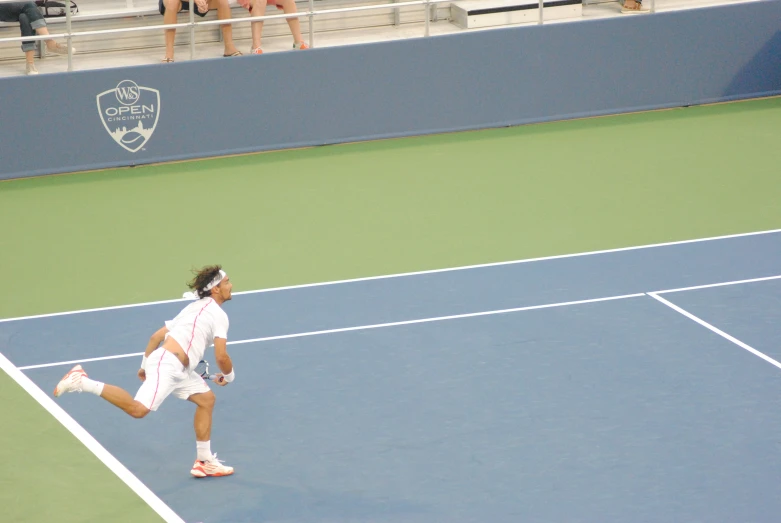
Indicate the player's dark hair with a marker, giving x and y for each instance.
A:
(202, 278)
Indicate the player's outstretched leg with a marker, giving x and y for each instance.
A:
(76, 380)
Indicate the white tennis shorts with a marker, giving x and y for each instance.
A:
(165, 374)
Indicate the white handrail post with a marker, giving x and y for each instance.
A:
(192, 30)
(539, 22)
(69, 38)
(427, 5)
(311, 24)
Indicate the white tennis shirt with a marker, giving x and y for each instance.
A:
(196, 326)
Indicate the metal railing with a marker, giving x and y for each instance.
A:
(310, 13)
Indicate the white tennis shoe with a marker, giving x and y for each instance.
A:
(213, 467)
(71, 382)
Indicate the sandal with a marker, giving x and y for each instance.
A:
(167, 60)
(237, 53)
(637, 9)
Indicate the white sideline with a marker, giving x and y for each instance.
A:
(90, 442)
(714, 329)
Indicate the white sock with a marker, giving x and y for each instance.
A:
(204, 449)
(91, 386)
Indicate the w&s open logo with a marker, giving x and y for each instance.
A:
(129, 113)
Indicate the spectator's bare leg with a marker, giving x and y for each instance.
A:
(224, 13)
(289, 6)
(172, 7)
(258, 9)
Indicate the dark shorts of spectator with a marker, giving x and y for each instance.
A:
(185, 8)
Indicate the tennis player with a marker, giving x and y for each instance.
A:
(168, 369)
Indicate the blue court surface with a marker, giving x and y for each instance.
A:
(431, 398)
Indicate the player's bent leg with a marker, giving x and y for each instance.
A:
(76, 380)
(122, 399)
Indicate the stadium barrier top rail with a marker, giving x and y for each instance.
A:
(311, 14)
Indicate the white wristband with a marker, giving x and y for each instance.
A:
(143, 362)
(230, 377)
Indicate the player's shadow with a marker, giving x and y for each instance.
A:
(243, 500)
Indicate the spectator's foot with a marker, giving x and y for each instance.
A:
(167, 60)
(633, 7)
(256, 50)
(300, 45)
(59, 48)
(31, 68)
(234, 53)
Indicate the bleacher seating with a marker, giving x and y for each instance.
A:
(456, 15)
(105, 14)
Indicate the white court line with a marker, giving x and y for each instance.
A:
(366, 327)
(90, 442)
(717, 331)
(424, 320)
(439, 318)
(736, 282)
(417, 273)
(85, 360)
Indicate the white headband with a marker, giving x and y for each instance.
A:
(216, 281)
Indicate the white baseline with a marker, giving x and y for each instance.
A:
(417, 273)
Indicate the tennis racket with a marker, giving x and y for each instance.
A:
(202, 369)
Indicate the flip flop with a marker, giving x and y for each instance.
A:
(237, 53)
(638, 9)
